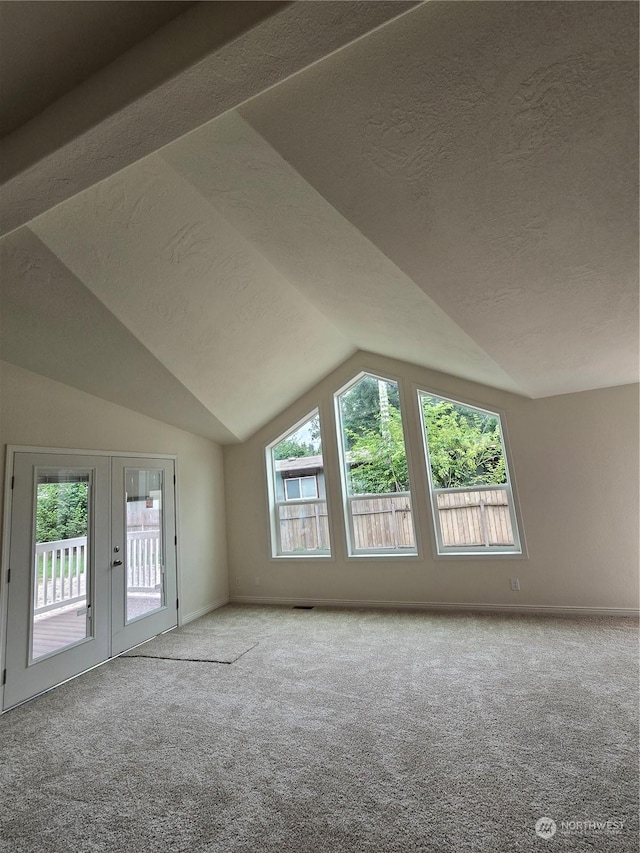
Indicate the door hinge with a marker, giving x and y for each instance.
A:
(175, 540)
(4, 677)
(13, 480)
(177, 603)
(9, 576)
(174, 479)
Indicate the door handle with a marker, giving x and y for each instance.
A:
(117, 563)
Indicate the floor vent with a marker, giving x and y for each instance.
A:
(303, 606)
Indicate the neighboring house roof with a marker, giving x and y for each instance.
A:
(303, 464)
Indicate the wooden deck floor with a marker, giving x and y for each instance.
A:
(57, 629)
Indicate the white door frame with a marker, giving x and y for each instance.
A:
(12, 449)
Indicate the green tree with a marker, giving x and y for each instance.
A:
(291, 449)
(465, 446)
(303, 442)
(360, 406)
(62, 511)
(377, 459)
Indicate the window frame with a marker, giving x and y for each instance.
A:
(273, 504)
(379, 553)
(441, 551)
(287, 480)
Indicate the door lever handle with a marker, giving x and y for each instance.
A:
(117, 563)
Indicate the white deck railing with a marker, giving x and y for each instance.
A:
(144, 560)
(61, 568)
(61, 572)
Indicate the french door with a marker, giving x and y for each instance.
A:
(143, 559)
(92, 564)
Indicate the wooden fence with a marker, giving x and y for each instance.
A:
(382, 522)
(303, 527)
(475, 518)
(478, 517)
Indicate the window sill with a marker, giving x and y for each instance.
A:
(302, 556)
(480, 555)
(384, 555)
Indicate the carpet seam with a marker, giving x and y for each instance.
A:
(192, 660)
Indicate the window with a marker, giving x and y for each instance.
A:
(471, 497)
(299, 521)
(300, 487)
(375, 474)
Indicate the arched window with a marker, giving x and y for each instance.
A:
(375, 474)
(299, 523)
(471, 496)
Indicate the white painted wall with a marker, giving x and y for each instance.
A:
(40, 412)
(575, 460)
(575, 466)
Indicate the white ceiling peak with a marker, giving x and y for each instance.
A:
(363, 294)
(448, 184)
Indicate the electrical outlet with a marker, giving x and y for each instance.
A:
(515, 584)
(237, 581)
(256, 580)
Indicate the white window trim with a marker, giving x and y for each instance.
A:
(517, 550)
(352, 551)
(273, 505)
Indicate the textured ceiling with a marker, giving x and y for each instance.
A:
(56, 33)
(490, 151)
(454, 184)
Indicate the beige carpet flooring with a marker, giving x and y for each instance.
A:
(337, 732)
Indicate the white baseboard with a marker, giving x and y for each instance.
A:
(189, 617)
(439, 605)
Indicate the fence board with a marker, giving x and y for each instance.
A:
(303, 527)
(475, 518)
(467, 518)
(382, 523)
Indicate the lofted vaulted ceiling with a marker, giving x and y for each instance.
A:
(210, 220)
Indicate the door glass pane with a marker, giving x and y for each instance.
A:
(60, 586)
(144, 562)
